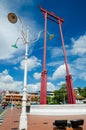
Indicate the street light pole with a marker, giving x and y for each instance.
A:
(23, 116)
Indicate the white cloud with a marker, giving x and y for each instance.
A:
(59, 73)
(5, 72)
(36, 87)
(16, 68)
(77, 68)
(37, 75)
(80, 63)
(50, 86)
(55, 52)
(8, 35)
(33, 62)
(33, 87)
(79, 45)
(8, 83)
(61, 82)
(10, 32)
(83, 76)
(55, 63)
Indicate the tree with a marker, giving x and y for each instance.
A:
(83, 92)
(60, 96)
(79, 89)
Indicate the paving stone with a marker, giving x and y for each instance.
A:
(37, 122)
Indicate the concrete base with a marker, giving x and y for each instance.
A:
(68, 109)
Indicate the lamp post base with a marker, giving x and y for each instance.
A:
(23, 122)
(23, 116)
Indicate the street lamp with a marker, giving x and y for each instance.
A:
(13, 19)
(23, 117)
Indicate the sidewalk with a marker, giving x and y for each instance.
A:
(36, 122)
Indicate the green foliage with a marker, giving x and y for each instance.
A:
(60, 95)
(82, 91)
(49, 100)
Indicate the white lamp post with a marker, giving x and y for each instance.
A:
(23, 117)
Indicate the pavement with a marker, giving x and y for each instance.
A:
(37, 122)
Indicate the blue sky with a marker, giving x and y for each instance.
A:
(74, 32)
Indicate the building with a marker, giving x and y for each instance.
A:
(16, 97)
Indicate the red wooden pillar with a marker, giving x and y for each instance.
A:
(71, 98)
(69, 85)
(43, 91)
